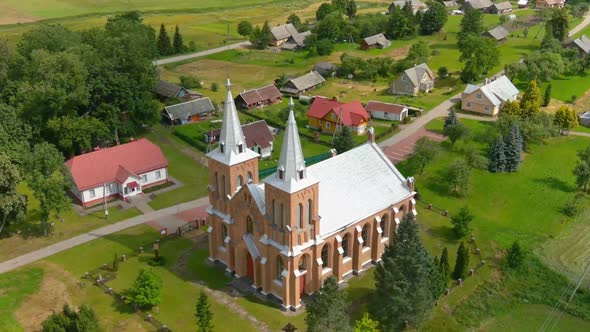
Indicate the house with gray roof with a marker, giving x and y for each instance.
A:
(416, 5)
(582, 44)
(299, 85)
(584, 119)
(286, 36)
(498, 33)
(450, 4)
(325, 68)
(190, 111)
(165, 90)
(413, 80)
(375, 41)
(488, 98)
(501, 8)
(481, 5)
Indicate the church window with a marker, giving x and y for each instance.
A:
(309, 211)
(300, 215)
(365, 235)
(223, 185)
(240, 181)
(222, 147)
(280, 268)
(223, 234)
(346, 245)
(240, 148)
(326, 255)
(275, 212)
(249, 225)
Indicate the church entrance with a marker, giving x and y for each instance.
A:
(250, 266)
(302, 285)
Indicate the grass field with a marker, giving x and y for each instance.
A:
(14, 287)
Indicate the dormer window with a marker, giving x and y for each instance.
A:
(301, 174)
(281, 174)
(240, 148)
(222, 147)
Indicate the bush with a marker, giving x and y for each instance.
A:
(192, 46)
(70, 320)
(571, 208)
(214, 86)
(190, 82)
(160, 261)
(462, 222)
(324, 47)
(442, 72)
(116, 263)
(145, 292)
(515, 255)
(435, 52)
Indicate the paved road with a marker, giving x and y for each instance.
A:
(580, 26)
(98, 233)
(202, 53)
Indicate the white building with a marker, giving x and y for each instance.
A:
(386, 111)
(121, 171)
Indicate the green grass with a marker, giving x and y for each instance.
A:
(524, 317)
(14, 287)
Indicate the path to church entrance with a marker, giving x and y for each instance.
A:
(400, 151)
(172, 222)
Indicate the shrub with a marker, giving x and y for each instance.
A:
(515, 255)
(145, 292)
(442, 72)
(190, 82)
(435, 52)
(324, 47)
(571, 208)
(214, 86)
(462, 222)
(116, 263)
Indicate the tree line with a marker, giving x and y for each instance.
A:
(166, 46)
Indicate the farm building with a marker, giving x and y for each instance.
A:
(386, 111)
(481, 5)
(166, 90)
(488, 98)
(302, 84)
(325, 68)
(549, 4)
(286, 36)
(260, 97)
(375, 41)
(269, 232)
(498, 33)
(328, 115)
(190, 111)
(584, 119)
(121, 171)
(416, 5)
(501, 8)
(523, 3)
(413, 80)
(259, 137)
(581, 44)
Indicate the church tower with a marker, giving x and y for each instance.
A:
(291, 194)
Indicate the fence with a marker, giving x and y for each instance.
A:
(104, 274)
(308, 162)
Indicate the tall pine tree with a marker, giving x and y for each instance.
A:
(444, 266)
(204, 313)
(451, 119)
(164, 46)
(178, 44)
(547, 96)
(512, 148)
(328, 309)
(496, 156)
(462, 262)
(407, 280)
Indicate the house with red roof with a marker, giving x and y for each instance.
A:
(121, 171)
(328, 115)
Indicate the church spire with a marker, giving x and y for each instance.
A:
(232, 143)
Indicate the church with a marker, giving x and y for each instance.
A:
(292, 230)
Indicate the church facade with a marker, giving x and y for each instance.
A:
(292, 230)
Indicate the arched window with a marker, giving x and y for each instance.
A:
(280, 268)
(223, 234)
(217, 188)
(365, 235)
(300, 215)
(249, 225)
(309, 211)
(303, 263)
(283, 216)
(223, 185)
(250, 178)
(402, 209)
(346, 245)
(385, 225)
(240, 181)
(275, 212)
(326, 255)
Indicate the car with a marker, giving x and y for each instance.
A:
(457, 12)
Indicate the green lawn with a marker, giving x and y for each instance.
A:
(524, 317)
(14, 287)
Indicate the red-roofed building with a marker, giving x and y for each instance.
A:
(120, 171)
(386, 111)
(327, 115)
(259, 137)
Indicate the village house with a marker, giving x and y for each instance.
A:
(584, 119)
(450, 4)
(259, 137)
(121, 172)
(498, 33)
(267, 95)
(289, 232)
(189, 111)
(166, 90)
(326, 69)
(481, 5)
(413, 80)
(500, 8)
(416, 5)
(375, 41)
(386, 111)
(581, 44)
(488, 98)
(549, 4)
(302, 84)
(286, 36)
(329, 115)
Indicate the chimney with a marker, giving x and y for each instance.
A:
(371, 135)
(487, 81)
(333, 153)
(410, 183)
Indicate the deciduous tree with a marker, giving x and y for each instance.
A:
(462, 222)
(511, 108)
(366, 324)
(459, 176)
(582, 169)
(480, 55)
(74, 135)
(565, 119)
(145, 292)
(471, 24)
(295, 20)
(434, 18)
(559, 24)
(350, 9)
(456, 132)
(328, 309)
(425, 151)
(204, 313)
(323, 10)
(12, 204)
(245, 28)
(462, 262)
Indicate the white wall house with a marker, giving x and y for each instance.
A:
(122, 171)
(386, 111)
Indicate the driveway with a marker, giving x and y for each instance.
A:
(202, 53)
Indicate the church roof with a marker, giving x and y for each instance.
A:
(232, 147)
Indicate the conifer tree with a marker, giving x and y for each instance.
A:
(344, 140)
(328, 309)
(510, 108)
(547, 96)
(178, 44)
(164, 46)
(204, 313)
(531, 100)
(407, 280)
(515, 255)
(496, 156)
(451, 119)
(444, 266)
(116, 263)
(462, 262)
(512, 149)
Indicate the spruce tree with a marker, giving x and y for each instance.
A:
(164, 46)
(444, 266)
(515, 255)
(204, 313)
(407, 280)
(344, 140)
(116, 263)
(451, 119)
(496, 156)
(462, 262)
(178, 44)
(512, 148)
(328, 309)
(547, 96)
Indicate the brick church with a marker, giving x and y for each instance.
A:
(295, 228)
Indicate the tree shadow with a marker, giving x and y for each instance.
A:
(438, 183)
(555, 183)
(443, 232)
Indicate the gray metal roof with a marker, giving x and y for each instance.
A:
(307, 81)
(583, 43)
(497, 91)
(479, 4)
(498, 33)
(190, 108)
(281, 32)
(417, 72)
(166, 89)
(378, 39)
(503, 5)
